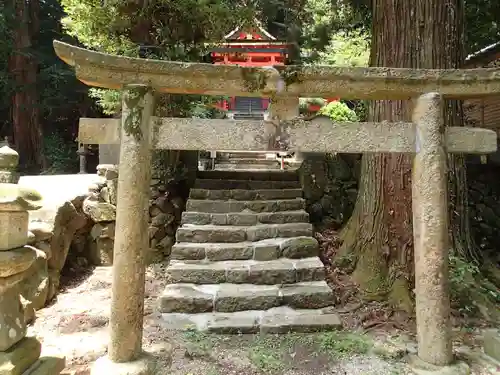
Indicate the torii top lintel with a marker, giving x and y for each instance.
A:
(114, 72)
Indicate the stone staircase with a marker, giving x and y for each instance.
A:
(245, 260)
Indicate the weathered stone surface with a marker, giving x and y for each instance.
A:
(239, 322)
(245, 194)
(307, 295)
(9, 158)
(491, 344)
(266, 249)
(36, 284)
(299, 247)
(12, 325)
(244, 184)
(265, 231)
(240, 297)
(9, 177)
(220, 233)
(29, 310)
(111, 71)
(209, 233)
(112, 186)
(67, 221)
(42, 231)
(430, 231)
(302, 322)
(99, 211)
(212, 206)
(16, 260)
(245, 218)
(46, 365)
(14, 197)
(186, 298)
(13, 229)
(17, 359)
(197, 273)
(281, 271)
(309, 269)
(54, 279)
(101, 251)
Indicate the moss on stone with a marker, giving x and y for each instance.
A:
(132, 97)
(255, 79)
(291, 74)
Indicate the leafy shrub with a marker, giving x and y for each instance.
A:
(339, 112)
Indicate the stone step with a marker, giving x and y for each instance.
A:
(247, 160)
(250, 168)
(293, 248)
(254, 176)
(221, 207)
(223, 233)
(242, 218)
(245, 194)
(243, 184)
(192, 298)
(281, 319)
(279, 271)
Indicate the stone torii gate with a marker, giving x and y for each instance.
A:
(138, 132)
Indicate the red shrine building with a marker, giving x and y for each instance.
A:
(250, 45)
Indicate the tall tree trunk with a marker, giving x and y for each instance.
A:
(378, 240)
(24, 69)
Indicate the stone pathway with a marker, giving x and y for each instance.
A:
(245, 260)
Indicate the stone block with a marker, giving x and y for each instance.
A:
(209, 233)
(307, 295)
(241, 322)
(197, 273)
(18, 358)
(265, 231)
(99, 211)
(280, 271)
(491, 344)
(283, 217)
(16, 261)
(309, 269)
(313, 321)
(186, 298)
(240, 297)
(12, 324)
(35, 286)
(299, 247)
(266, 249)
(229, 251)
(13, 229)
(244, 184)
(188, 251)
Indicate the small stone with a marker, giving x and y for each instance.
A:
(18, 358)
(112, 173)
(16, 260)
(162, 219)
(41, 230)
(103, 168)
(12, 325)
(99, 211)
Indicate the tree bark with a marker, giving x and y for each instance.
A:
(378, 239)
(23, 67)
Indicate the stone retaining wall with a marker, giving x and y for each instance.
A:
(166, 204)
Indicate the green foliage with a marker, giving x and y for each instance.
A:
(347, 49)
(61, 155)
(338, 112)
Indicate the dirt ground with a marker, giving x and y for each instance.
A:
(76, 325)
